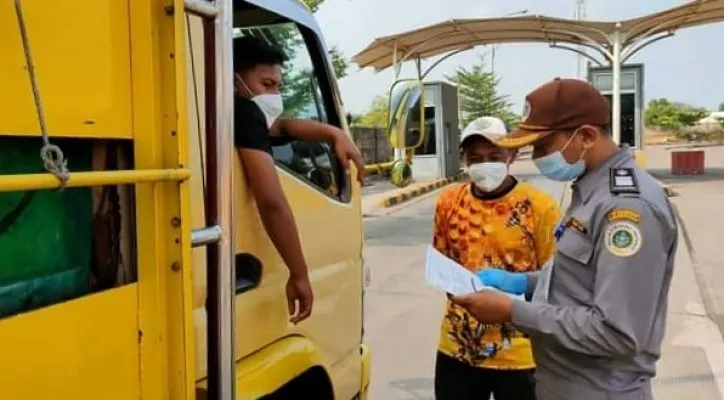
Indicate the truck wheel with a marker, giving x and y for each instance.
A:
(313, 384)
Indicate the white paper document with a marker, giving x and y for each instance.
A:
(445, 274)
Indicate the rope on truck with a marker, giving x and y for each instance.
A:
(52, 156)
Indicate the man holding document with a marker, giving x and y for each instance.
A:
(493, 222)
(597, 315)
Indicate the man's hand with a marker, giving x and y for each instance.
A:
(486, 306)
(300, 298)
(348, 152)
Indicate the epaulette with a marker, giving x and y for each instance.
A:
(623, 181)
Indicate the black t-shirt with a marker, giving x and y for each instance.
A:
(250, 128)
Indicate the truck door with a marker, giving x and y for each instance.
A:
(326, 210)
(326, 207)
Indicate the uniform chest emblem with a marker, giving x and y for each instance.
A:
(623, 238)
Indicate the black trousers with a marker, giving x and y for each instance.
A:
(455, 380)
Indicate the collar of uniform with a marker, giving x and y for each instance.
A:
(587, 184)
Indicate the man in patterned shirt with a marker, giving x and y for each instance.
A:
(494, 221)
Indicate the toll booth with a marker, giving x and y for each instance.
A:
(632, 99)
(437, 156)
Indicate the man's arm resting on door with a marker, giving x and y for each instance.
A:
(305, 130)
(274, 209)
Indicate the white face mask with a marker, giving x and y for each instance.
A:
(271, 105)
(488, 176)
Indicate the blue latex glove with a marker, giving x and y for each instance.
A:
(509, 282)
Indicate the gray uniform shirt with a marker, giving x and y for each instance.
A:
(598, 315)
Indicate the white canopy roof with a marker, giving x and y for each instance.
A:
(460, 34)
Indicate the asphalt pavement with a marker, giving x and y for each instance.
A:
(402, 314)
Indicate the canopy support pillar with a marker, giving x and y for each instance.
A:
(616, 95)
(440, 60)
(577, 51)
(634, 48)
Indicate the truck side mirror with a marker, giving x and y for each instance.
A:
(406, 113)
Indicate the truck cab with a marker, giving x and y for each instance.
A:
(145, 272)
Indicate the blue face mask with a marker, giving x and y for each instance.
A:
(555, 167)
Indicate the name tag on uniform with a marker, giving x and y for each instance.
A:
(578, 226)
(571, 223)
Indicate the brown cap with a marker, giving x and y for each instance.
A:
(559, 105)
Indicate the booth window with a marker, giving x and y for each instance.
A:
(428, 147)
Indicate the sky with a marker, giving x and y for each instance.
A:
(685, 68)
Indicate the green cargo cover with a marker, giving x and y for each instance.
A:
(45, 246)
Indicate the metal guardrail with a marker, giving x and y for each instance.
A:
(22, 182)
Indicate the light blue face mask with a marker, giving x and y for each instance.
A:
(555, 167)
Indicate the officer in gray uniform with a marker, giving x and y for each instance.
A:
(597, 316)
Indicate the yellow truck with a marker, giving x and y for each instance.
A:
(133, 264)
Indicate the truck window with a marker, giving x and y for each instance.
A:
(313, 163)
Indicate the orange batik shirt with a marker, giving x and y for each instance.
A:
(514, 232)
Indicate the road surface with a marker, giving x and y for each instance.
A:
(401, 313)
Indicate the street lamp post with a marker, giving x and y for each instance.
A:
(493, 47)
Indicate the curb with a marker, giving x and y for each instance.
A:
(417, 191)
(691, 145)
(670, 192)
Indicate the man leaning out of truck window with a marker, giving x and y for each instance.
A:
(257, 108)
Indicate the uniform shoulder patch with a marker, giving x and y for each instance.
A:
(623, 238)
(624, 215)
(623, 180)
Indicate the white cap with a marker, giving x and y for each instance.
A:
(490, 128)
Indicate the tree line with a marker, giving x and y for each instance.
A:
(674, 116)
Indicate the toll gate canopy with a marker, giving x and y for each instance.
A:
(611, 42)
